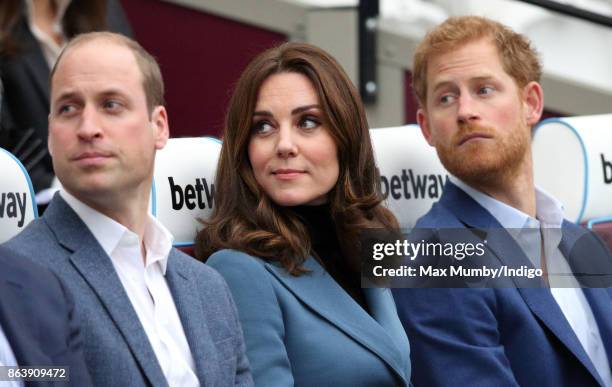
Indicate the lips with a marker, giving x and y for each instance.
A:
(287, 174)
(90, 159)
(91, 155)
(473, 136)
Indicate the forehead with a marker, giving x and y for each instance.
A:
(476, 59)
(287, 88)
(95, 64)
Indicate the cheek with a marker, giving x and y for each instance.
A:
(325, 156)
(257, 156)
(441, 129)
(509, 117)
(58, 140)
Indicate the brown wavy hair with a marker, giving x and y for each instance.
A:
(245, 218)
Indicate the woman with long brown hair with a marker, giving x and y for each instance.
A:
(296, 183)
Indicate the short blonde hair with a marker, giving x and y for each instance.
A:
(519, 59)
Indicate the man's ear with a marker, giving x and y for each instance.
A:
(533, 102)
(423, 123)
(159, 120)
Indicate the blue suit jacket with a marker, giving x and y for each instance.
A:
(36, 315)
(307, 331)
(499, 337)
(116, 347)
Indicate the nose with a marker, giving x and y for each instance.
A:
(89, 127)
(286, 145)
(467, 110)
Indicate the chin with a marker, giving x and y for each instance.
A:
(290, 199)
(89, 187)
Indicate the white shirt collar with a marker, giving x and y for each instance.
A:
(549, 211)
(112, 234)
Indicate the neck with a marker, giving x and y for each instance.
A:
(128, 209)
(44, 7)
(516, 188)
(43, 14)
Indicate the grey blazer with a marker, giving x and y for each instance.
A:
(117, 351)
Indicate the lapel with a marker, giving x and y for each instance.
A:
(16, 319)
(579, 246)
(96, 268)
(189, 305)
(600, 301)
(34, 62)
(378, 333)
(539, 300)
(499, 242)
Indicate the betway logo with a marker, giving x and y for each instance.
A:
(409, 185)
(199, 195)
(607, 169)
(13, 205)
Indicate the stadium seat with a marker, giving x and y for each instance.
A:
(573, 161)
(17, 204)
(183, 186)
(412, 176)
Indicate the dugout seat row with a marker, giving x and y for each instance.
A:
(572, 161)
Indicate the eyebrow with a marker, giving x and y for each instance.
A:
(477, 79)
(295, 111)
(75, 95)
(67, 95)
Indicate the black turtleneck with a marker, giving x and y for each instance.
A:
(324, 239)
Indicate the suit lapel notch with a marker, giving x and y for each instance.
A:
(323, 295)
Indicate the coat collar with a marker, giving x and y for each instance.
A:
(96, 268)
(380, 332)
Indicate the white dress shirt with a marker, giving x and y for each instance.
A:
(146, 286)
(565, 289)
(7, 358)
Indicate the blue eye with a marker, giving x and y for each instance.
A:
(447, 99)
(485, 90)
(65, 109)
(112, 105)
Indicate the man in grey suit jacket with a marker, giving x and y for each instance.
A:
(150, 315)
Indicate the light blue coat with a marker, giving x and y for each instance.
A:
(307, 331)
